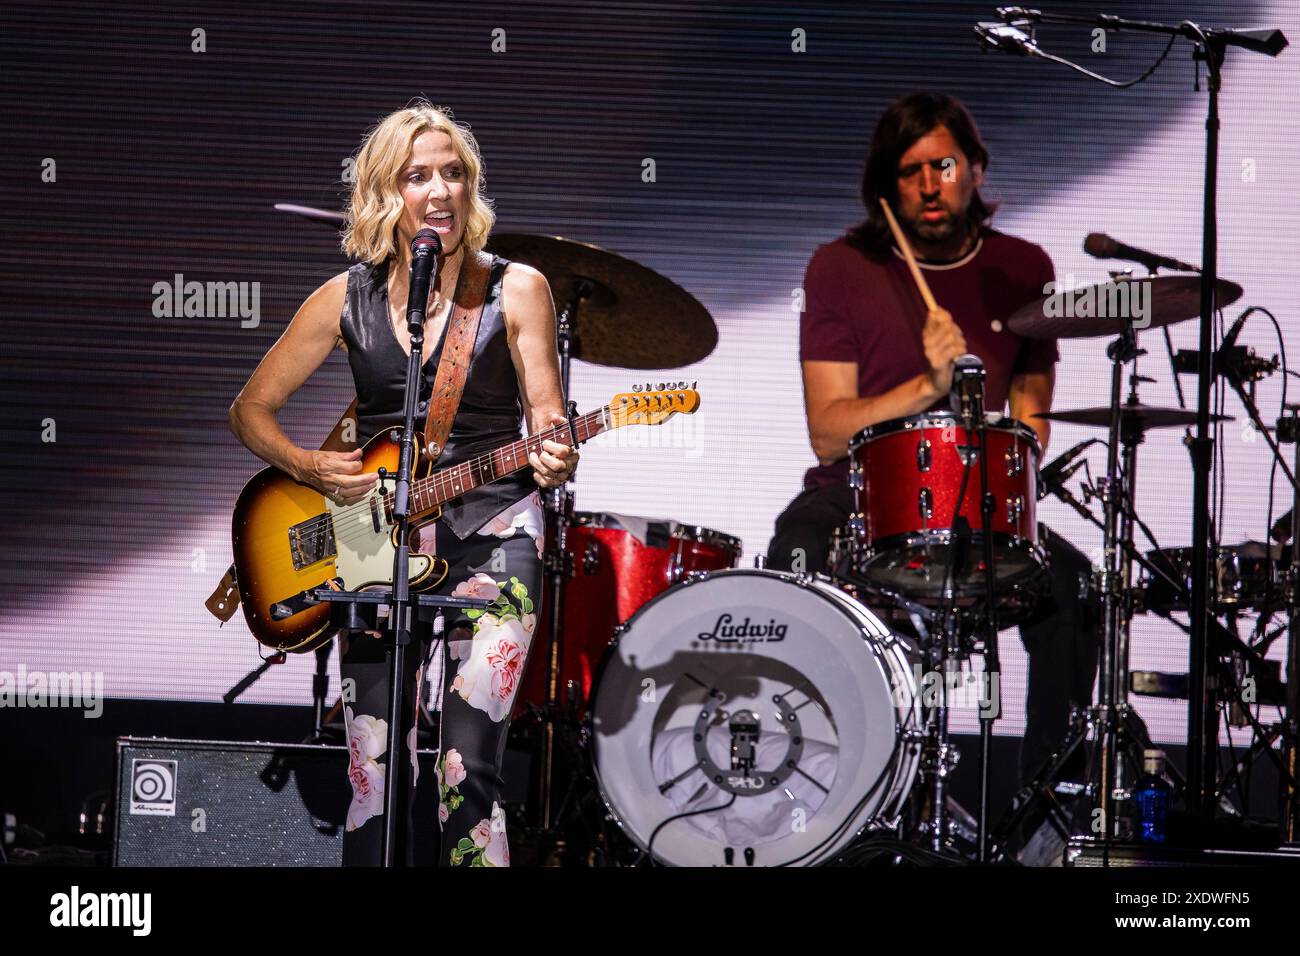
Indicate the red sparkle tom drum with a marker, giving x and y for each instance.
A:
(907, 475)
(617, 563)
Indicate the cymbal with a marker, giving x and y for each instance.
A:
(1145, 417)
(627, 315)
(1073, 314)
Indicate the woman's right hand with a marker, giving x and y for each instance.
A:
(337, 475)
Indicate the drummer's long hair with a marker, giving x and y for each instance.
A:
(907, 120)
(375, 205)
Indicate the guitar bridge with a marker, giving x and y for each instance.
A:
(312, 541)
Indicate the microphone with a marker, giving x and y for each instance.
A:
(1238, 362)
(1101, 246)
(425, 249)
(1054, 476)
(1230, 339)
(967, 395)
(1004, 36)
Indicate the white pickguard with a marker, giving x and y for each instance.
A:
(364, 555)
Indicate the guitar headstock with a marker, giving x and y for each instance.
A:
(651, 407)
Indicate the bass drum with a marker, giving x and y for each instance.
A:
(754, 718)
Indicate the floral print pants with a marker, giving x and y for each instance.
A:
(482, 655)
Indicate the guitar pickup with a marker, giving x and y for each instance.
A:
(311, 541)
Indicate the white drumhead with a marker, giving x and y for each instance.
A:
(831, 690)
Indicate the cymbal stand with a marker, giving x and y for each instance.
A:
(558, 503)
(1288, 430)
(1112, 721)
(1239, 375)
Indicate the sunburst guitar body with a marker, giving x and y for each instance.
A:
(288, 538)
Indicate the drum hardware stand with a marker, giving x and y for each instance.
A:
(1210, 47)
(1239, 373)
(1288, 431)
(974, 409)
(1112, 722)
(558, 502)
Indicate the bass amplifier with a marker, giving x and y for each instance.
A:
(225, 803)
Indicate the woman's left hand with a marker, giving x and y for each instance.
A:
(555, 464)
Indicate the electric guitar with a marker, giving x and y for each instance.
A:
(289, 538)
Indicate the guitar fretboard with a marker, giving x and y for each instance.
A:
(447, 483)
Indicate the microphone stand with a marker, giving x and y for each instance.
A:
(403, 653)
(973, 411)
(1210, 48)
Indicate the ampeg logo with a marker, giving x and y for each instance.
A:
(725, 632)
(153, 787)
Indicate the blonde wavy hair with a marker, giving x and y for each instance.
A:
(375, 205)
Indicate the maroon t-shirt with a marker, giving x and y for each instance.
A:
(867, 310)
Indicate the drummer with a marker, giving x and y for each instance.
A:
(870, 352)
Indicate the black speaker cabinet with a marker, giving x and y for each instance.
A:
(224, 803)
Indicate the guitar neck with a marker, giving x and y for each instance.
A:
(447, 483)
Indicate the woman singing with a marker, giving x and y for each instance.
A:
(419, 169)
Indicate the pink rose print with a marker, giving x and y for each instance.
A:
(367, 736)
(481, 835)
(491, 667)
(367, 740)
(486, 843)
(454, 768)
(412, 747)
(526, 514)
(497, 852)
(367, 793)
(479, 586)
(507, 663)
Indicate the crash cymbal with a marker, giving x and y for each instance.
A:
(1105, 308)
(627, 315)
(1144, 417)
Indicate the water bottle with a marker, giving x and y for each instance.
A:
(1152, 798)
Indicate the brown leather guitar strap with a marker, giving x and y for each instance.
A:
(457, 352)
(453, 369)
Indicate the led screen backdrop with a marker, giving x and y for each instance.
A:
(148, 144)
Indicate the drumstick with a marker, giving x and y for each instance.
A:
(921, 286)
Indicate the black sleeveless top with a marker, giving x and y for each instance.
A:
(490, 409)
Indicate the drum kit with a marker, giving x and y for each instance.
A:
(681, 710)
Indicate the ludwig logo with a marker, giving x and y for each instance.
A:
(726, 632)
(153, 787)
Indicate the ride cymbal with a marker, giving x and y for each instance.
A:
(1106, 307)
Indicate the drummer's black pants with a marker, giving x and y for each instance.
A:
(1061, 639)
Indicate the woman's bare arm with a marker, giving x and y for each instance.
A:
(530, 327)
(307, 341)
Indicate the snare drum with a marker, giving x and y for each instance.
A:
(616, 564)
(907, 475)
